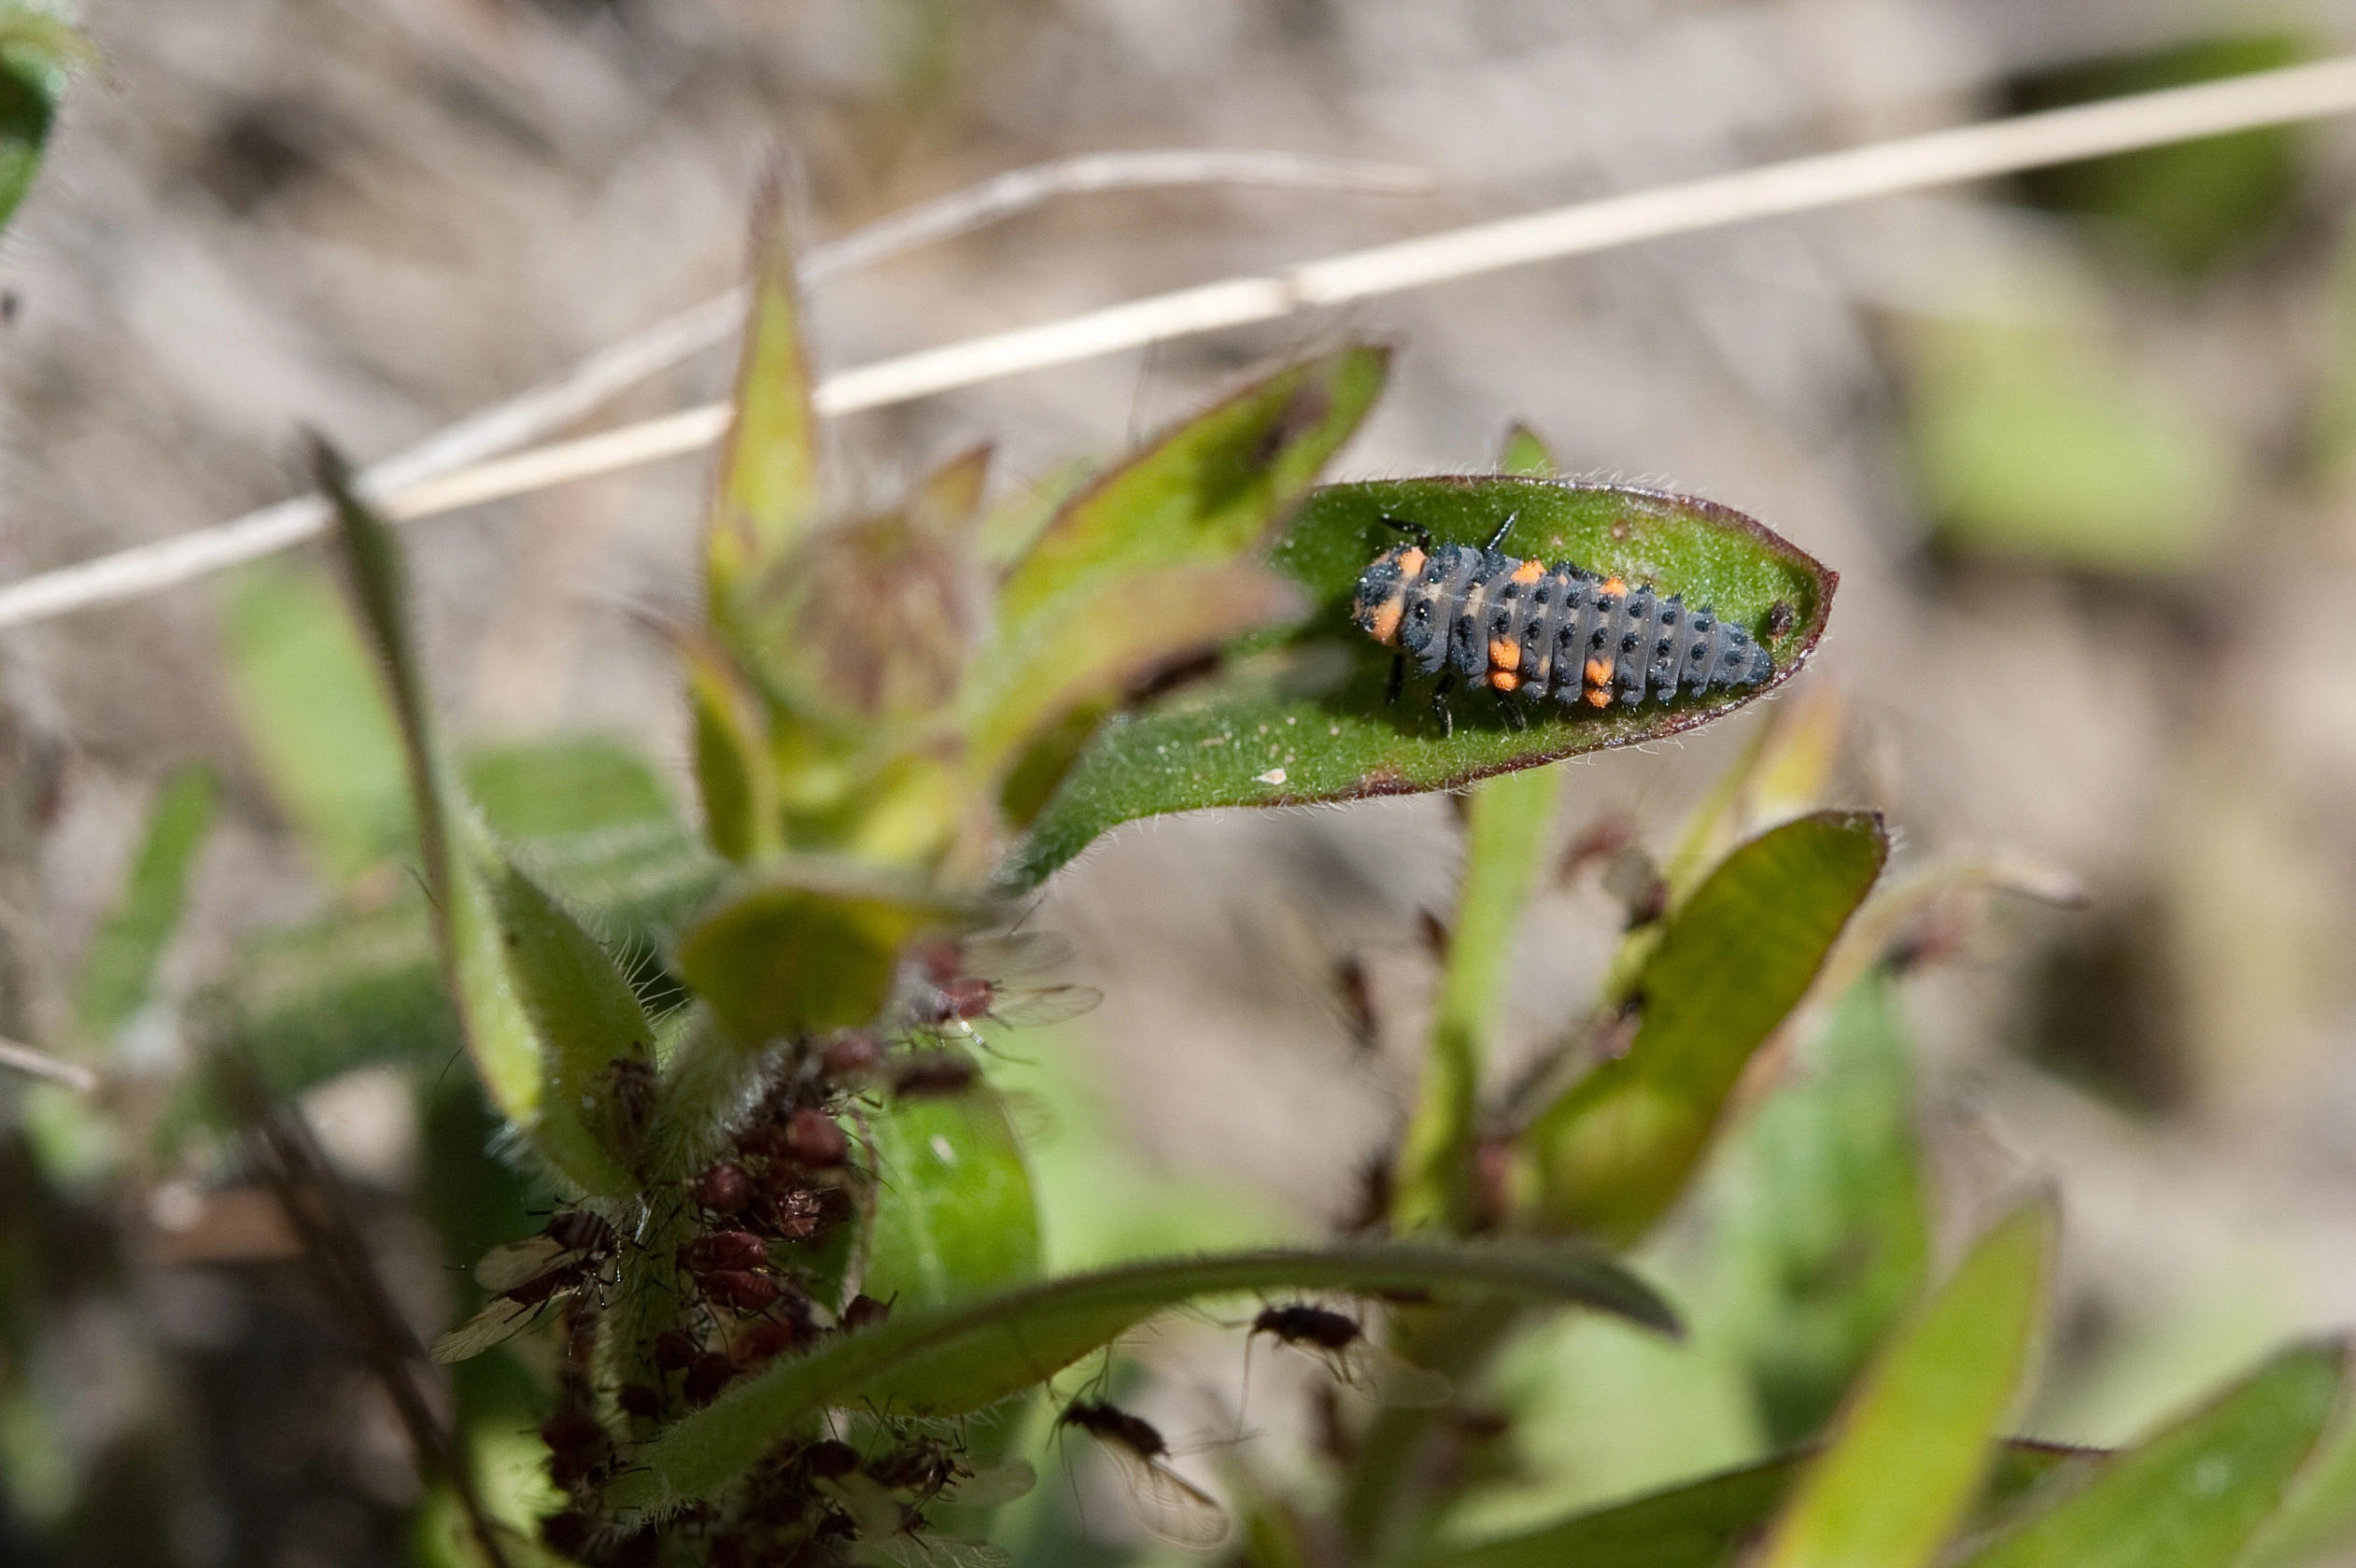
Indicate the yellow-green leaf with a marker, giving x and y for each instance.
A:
(1908, 1453)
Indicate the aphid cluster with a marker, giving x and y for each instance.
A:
(1520, 626)
(738, 1259)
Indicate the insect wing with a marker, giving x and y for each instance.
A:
(503, 1268)
(497, 1324)
(903, 1550)
(994, 1485)
(1394, 1381)
(1035, 1007)
(1017, 955)
(1172, 1507)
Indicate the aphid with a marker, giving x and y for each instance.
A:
(724, 1188)
(1520, 626)
(1167, 1503)
(1339, 1340)
(523, 1277)
(950, 985)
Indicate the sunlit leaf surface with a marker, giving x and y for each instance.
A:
(1610, 1156)
(1304, 719)
(2192, 1495)
(956, 1358)
(1908, 1454)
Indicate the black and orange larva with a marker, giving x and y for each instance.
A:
(1518, 625)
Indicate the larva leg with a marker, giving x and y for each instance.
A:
(1421, 535)
(1440, 700)
(1515, 717)
(1398, 681)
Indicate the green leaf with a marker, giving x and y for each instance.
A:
(1509, 821)
(1615, 1152)
(1306, 720)
(557, 788)
(1706, 1523)
(955, 1216)
(769, 489)
(472, 889)
(587, 1022)
(1208, 491)
(38, 52)
(1819, 1214)
(735, 773)
(118, 971)
(947, 1361)
(1526, 454)
(1916, 1436)
(315, 714)
(2192, 1495)
(2189, 205)
(806, 945)
(1099, 644)
(2042, 442)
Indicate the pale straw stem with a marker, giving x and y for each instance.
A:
(1799, 185)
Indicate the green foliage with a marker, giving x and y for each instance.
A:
(39, 53)
(315, 717)
(1819, 1213)
(547, 1015)
(1912, 1447)
(955, 1214)
(2040, 443)
(1303, 718)
(1508, 820)
(2193, 1495)
(117, 974)
(805, 946)
(2189, 207)
(962, 1358)
(1611, 1155)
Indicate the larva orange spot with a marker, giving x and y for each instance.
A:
(1503, 654)
(1601, 696)
(1504, 680)
(1612, 585)
(1599, 673)
(1529, 572)
(1411, 562)
(1387, 618)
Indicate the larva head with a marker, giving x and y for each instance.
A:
(1382, 591)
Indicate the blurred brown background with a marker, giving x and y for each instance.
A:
(2079, 445)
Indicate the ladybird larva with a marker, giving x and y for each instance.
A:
(1518, 625)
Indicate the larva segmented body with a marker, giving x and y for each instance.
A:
(1523, 626)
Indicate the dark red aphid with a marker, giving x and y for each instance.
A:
(815, 1139)
(848, 1055)
(708, 1377)
(740, 1289)
(800, 1211)
(674, 1352)
(1560, 632)
(865, 1312)
(763, 1340)
(737, 1250)
(638, 1399)
(578, 1447)
(724, 1188)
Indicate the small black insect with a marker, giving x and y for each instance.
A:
(1340, 1341)
(1166, 1503)
(1560, 632)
